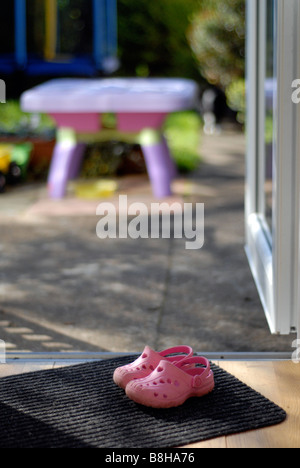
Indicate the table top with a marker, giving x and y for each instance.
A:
(112, 95)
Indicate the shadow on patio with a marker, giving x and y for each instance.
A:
(64, 289)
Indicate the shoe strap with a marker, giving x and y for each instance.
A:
(177, 354)
(190, 366)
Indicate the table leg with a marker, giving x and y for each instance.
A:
(160, 166)
(65, 164)
(170, 161)
(77, 158)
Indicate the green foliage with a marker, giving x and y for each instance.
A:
(217, 37)
(14, 121)
(269, 124)
(183, 130)
(102, 159)
(236, 98)
(153, 38)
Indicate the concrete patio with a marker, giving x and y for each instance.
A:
(64, 289)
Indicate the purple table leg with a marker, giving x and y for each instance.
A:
(77, 158)
(171, 163)
(161, 168)
(65, 162)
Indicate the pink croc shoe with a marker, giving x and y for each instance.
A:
(147, 363)
(171, 385)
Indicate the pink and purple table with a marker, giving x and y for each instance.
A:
(140, 105)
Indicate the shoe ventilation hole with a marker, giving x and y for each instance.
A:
(145, 356)
(165, 396)
(154, 383)
(156, 395)
(159, 369)
(162, 381)
(169, 381)
(151, 367)
(144, 367)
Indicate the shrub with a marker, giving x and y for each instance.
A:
(183, 130)
(217, 37)
(153, 38)
(236, 98)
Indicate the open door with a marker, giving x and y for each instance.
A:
(272, 212)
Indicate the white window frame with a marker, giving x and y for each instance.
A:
(274, 255)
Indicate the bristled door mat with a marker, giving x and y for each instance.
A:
(81, 407)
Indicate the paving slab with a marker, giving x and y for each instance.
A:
(64, 289)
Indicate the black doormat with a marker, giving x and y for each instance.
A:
(81, 407)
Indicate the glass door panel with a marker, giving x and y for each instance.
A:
(270, 102)
(272, 202)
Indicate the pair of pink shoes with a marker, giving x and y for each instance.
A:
(166, 379)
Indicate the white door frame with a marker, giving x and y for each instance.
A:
(274, 255)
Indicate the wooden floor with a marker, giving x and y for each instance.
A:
(279, 381)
